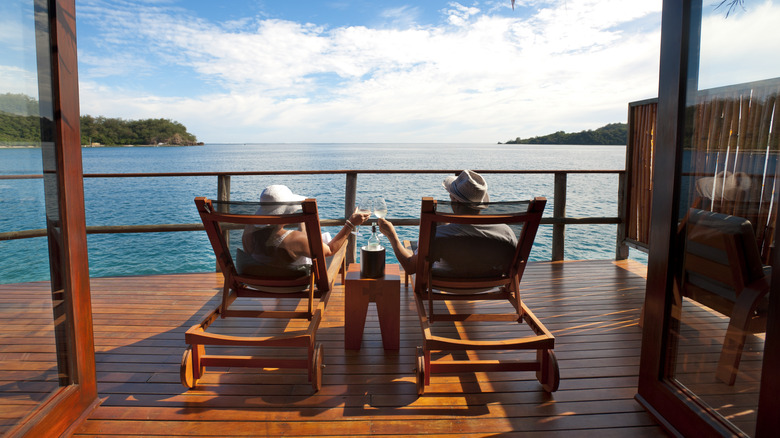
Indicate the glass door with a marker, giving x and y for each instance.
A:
(711, 295)
(47, 362)
(30, 357)
(728, 214)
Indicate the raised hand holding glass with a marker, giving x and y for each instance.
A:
(364, 206)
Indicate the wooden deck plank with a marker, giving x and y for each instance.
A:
(359, 427)
(591, 307)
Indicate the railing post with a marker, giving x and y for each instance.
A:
(621, 249)
(350, 195)
(223, 187)
(559, 212)
(223, 194)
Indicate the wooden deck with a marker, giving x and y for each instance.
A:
(592, 307)
(700, 340)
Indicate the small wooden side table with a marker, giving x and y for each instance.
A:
(385, 292)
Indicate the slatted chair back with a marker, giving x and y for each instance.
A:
(473, 265)
(225, 222)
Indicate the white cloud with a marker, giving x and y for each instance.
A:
(481, 78)
(459, 15)
(18, 80)
(740, 48)
(17, 49)
(400, 17)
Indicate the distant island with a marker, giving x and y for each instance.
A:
(611, 134)
(99, 131)
(18, 128)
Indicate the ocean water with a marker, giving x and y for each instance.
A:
(134, 201)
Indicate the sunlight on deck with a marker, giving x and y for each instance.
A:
(591, 307)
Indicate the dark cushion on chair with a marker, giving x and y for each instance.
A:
(471, 257)
(247, 265)
(739, 228)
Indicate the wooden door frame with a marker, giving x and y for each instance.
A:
(678, 410)
(64, 409)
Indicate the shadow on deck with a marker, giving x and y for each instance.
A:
(592, 307)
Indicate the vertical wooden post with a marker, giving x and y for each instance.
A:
(621, 249)
(350, 195)
(559, 212)
(223, 195)
(223, 187)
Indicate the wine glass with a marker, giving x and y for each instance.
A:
(364, 206)
(380, 207)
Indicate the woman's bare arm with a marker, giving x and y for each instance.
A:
(297, 243)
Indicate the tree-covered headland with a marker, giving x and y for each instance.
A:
(15, 125)
(108, 131)
(611, 134)
(18, 127)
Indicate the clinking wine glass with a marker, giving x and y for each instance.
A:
(380, 208)
(364, 206)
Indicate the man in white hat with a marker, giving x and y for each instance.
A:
(468, 192)
(468, 187)
(278, 248)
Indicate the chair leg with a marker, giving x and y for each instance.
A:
(733, 344)
(427, 367)
(516, 300)
(731, 354)
(225, 297)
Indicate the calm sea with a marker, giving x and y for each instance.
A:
(132, 201)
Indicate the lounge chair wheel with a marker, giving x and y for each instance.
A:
(187, 377)
(318, 363)
(420, 371)
(551, 376)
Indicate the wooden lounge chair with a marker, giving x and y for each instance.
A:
(471, 271)
(722, 270)
(243, 279)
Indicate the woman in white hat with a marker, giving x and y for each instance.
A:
(468, 191)
(275, 247)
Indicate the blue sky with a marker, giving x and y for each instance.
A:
(359, 71)
(365, 71)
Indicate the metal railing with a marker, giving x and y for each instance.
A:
(559, 220)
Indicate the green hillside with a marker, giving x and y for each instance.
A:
(19, 129)
(20, 124)
(611, 134)
(18, 104)
(107, 131)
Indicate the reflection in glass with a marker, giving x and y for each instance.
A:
(728, 209)
(34, 362)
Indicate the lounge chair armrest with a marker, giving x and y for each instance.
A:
(335, 263)
(751, 296)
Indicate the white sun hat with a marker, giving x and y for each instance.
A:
(279, 199)
(469, 186)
